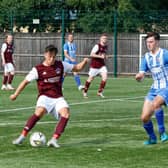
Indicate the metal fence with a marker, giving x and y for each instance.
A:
(34, 29)
(29, 49)
(83, 21)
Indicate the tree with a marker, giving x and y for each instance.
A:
(84, 15)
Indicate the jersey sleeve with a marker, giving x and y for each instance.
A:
(165, 56)
(32, 75)
(65, 47)
(4, 46)
(95, 49)
(67, 67)
(143, 66)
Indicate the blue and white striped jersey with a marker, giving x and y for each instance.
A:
(71, 50)
(158, 66)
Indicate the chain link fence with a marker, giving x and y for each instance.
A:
(34, 29)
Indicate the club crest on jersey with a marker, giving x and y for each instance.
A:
(44, 73)
(58, 71)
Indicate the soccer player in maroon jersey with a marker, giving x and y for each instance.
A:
(50, 98)
(7, 62)
(97, 66)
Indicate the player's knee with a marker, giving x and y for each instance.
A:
(155, 106)
(104, 79)
(91, 79)
(145, 118)
(65, 113)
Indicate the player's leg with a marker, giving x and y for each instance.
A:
(87, 85)
(103, 73)
(92, 73)
(62, 110)
(159, 100)
(159, 114)
(4, 82)
(78, 81)
(5, 78)
(10, 79)
(39, 112)
(147, 123)
(60, 127)
(11, 76)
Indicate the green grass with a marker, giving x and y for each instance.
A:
(101, 133)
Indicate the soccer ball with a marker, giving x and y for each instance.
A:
(37, 139)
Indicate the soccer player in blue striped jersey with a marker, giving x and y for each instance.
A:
(70, 58)
(154, 61)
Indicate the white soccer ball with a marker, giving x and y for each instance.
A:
(37, 139)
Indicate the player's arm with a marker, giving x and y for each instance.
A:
(143, 69)
(19, 89)
(165, 56)
(4, 46)
(13, 59)
(78, 67)
(66, 53)
(94, 51)
(32, 75)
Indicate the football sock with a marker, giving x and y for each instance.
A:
(5, 79)
(10, 79)
(149, 129)
(77, 80)
(159, 114)
(87, 85)
(30, 124)
(102, 85)
(60, 127)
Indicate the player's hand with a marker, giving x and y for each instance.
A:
(86, 60)
(139, 77)
(103, 56)
(3, 63)
(13, 97)
(73, 60)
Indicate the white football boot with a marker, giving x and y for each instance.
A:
(85, 95)
(19, 140)
(4, 87)
(53, 143)
(81, 87)
(100, 94)
(9, 87)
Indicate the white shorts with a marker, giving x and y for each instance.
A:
(9, 68)
(52, 105)
(95, 71)
(67, 67)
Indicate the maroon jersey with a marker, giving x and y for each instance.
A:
(8, 53)
(50, 79)
(99, 62)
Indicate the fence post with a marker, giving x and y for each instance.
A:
(62, 32)
(115, 42)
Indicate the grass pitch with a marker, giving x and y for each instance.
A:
(101, 133)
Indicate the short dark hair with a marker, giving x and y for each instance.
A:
(153, 34)
(103, 34)
(51, 48)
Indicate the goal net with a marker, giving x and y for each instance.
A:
(142, 45)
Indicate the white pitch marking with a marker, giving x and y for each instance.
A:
(131, 99)
(94, 101)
